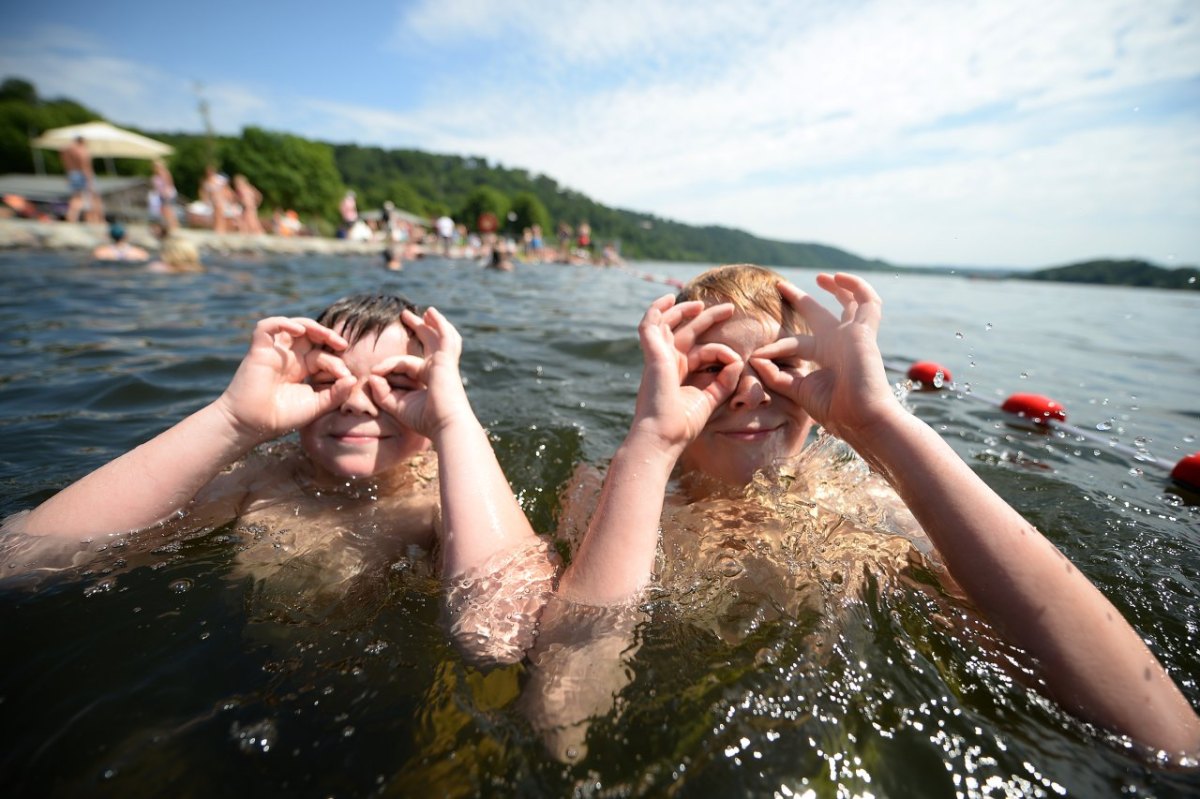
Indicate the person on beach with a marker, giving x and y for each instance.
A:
(119, 249)
(215, 191)
(161, 199)
(371, 385)
(77, 162)
(249, 198)
(737, 370)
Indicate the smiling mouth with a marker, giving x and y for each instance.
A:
(750, 434)
(357, 438)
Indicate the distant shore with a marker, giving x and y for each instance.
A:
(65, 236)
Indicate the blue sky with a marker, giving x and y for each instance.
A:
(1016, 133)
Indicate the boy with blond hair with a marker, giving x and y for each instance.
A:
(737, 369)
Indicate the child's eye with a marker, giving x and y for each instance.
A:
(401, 382)
(710, 369)
(323, 381)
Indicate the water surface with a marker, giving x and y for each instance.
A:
(168, 674)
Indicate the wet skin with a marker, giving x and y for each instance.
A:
(755, 427)
(358, 439)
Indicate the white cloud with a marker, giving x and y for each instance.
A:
(878, 126)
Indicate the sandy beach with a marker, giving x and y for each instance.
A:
(64, 236)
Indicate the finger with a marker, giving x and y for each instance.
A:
(727, 380)
(687, 334)
(664, 302)
(800, 346)
(684, 310)
(780, 380)
(817, 315)
(323, 361)
(381, 392)
(334, 396)
(450, 340)
(408, 365)
(868, 303)
(319, 334)
(276, 324)
(709, 354)
(424, 327)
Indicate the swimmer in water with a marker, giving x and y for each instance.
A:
(737, 369)
(119, 249)
(391, 461)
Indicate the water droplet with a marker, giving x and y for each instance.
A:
(101, 587)
(958, 335)
(180, 586)
(987, 326)
(1024, 375)
(1104, 427)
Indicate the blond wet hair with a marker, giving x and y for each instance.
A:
(753, 291)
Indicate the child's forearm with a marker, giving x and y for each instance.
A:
(1091, 659)
(616, 558)
(480, 515)
(145, 485)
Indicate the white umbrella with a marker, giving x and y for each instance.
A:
(104, 141)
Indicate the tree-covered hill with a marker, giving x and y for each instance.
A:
(310, 177)
(1121, 273)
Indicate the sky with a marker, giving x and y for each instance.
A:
(1014, 133)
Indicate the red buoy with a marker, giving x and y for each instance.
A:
(1187, 471)
(926, 373)
(1035, 408)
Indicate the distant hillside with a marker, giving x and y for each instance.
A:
(429, 183)
(1120, 273)
(311, 176)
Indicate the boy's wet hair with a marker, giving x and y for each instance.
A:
(753, 290)
(365, 314)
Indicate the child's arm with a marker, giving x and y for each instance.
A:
(1091, 659)
(481, 517)
(266, 398)
(616, 557)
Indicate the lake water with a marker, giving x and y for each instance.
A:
(166, 676)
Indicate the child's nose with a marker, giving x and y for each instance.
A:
(360, 400)
(750, 392)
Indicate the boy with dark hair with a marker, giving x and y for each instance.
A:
(371, 385)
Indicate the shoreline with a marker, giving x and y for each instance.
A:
(29, 234)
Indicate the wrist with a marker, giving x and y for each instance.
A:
(448, 425)
(651, 452)
(236, 431)
(875, 440)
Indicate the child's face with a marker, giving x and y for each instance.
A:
(357, 439)
(754, 427)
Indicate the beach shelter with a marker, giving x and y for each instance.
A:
(104, 141)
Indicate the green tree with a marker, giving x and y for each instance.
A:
(291, 172)
(18, 89)
(23, 116)
(483, 199)
(529, 211)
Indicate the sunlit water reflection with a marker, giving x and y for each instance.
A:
(174, 671)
